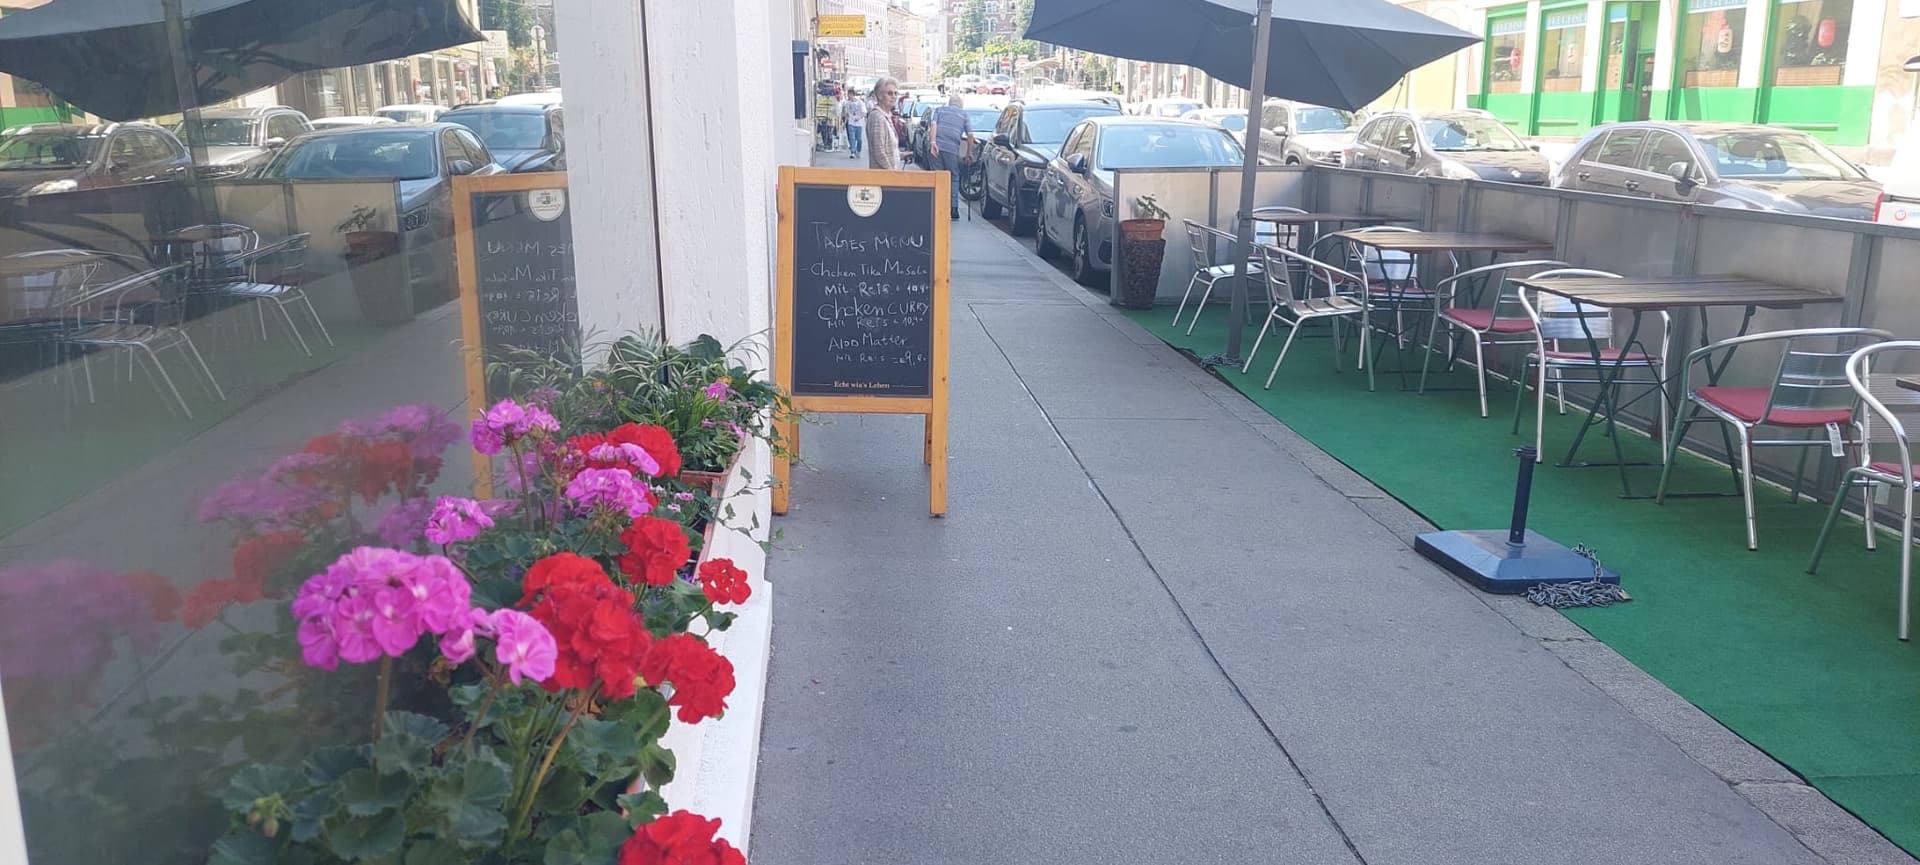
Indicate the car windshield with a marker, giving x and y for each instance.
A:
(36, 150)
(1050, 125)
(504, 130)
(1774, 156)
(403, 155)
(1233, 120)
(1175, 109)
(218, 131)
(1323, 120)
(1166, 146)
(404, 115)
(982, 119)
(1449, 134)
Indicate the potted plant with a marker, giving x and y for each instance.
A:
(379, 273)
(1142, 248)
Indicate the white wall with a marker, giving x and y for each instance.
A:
(610, 166)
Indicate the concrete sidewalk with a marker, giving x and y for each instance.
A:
(1157, 626)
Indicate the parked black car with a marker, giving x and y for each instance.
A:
(980, 117)
(522, 138)
(235, 142)
(1726, 164)
(50, 158)
(1024, 139)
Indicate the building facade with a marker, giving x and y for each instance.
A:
(1832, 68)
(23, 101)
(906, 44)
(859, 56)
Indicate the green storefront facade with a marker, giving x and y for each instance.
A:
(1556, 68)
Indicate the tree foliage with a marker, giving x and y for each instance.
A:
(973, 26)
(968, 61)
(511, 16)
(1022, 16)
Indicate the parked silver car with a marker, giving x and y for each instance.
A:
(1726, 164)
(1308, 133)
(1463, 145)
(1273, 148)
(235, 142)
(1077, 210)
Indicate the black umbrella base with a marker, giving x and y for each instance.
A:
(1490, 564)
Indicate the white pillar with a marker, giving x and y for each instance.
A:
(1753, 42)
(13, 836)
(1596, 46)
(1666, 51)
(610, 166)
(1530, 50)
(1863, 44)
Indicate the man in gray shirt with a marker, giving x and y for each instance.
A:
(952, 137)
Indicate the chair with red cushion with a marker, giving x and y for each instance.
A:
(1886, 412)
(1456, 301)
(1809, 392)
(1575, 344)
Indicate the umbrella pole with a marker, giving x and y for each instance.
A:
(189, 99)
(1243, 247)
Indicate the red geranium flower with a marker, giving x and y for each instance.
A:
(207, 600)
(702, 678)
(163, 600)
(679, 837)
(655, 440)
(724, 583)
(259, 557)
(656, 550)
(561, 569)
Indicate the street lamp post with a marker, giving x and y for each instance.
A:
(539, 57)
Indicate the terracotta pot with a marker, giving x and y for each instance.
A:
(1143, 229)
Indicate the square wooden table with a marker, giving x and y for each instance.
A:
(1640, 295)
(1908, 383)
(1421, 242)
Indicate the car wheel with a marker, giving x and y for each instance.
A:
(1022, 223)
(1293, 160)
(1042, 244)
(989, 208)
(1083, 270)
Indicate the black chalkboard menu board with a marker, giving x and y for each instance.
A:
(516, 261)
(863, 291)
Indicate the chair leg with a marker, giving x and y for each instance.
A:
(1480, 371)
(160, 370)
(294, 329)
(1520, 392)
(316, 318)
(1906, 559)
(86, 367)
(1426, 357)
(1866, 516)
(1204, 297)
(1683, 419)
(1746, 483)
(1833, 516)
(261, 311)
(1183, 298)
(187, 342)
(1800, 469)
(1247, 365)
(1283, 352)
(1540, 415)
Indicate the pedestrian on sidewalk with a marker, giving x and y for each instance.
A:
(853, 113)
(951, 143)
(883, 146)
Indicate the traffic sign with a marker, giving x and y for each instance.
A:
(842, 25)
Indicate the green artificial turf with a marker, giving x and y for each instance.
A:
(1805, 667)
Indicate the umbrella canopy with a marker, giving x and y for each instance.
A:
(1337, 53)
(114, 58)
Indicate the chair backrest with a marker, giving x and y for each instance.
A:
(286, 262)
(1887, 410)
(1279, 262)
(1198, 243)
(1386, 264)
(1812, 373)
(1467, 288)
(1561, 319)
(46, 292)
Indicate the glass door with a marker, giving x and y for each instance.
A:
(1626, 64)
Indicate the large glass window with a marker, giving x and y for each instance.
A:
(1711, 37)
(1616, 47)
(1506, 63)
(1810, 41)
(1563, 49)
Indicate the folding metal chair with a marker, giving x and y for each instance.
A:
(1201, 240)
(1886, 454)
(1571, 339)
(1504, 318)
(273, 274)
(1809, 392)
(1294, 308)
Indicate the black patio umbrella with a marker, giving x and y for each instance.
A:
(1336, 53)
(123, 59)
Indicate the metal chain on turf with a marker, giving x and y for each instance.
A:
(1591, 593)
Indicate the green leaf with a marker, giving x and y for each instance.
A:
(406, 742)
(243, 846)
(436, 852)
(366, 792)
(256, 782)
(604, 747)
(594, 840)
(310, 813)
(563, 791)
(469, 799)
(353, 838)
(646, 714)
(325, 765)
(643, 807)
(657, 765)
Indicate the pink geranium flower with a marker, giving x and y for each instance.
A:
(456, 519)
(523, 645)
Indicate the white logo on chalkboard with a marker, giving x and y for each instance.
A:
(864, 200)
(547, 204)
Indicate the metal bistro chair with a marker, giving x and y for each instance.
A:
(1200, 240)
(1393, 285)
(273, 274)
(1505, 318)
(1886, 411)
(1809, 392)
(1296, 308)
(110, 317)
(41, 297)
(1569, 337)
